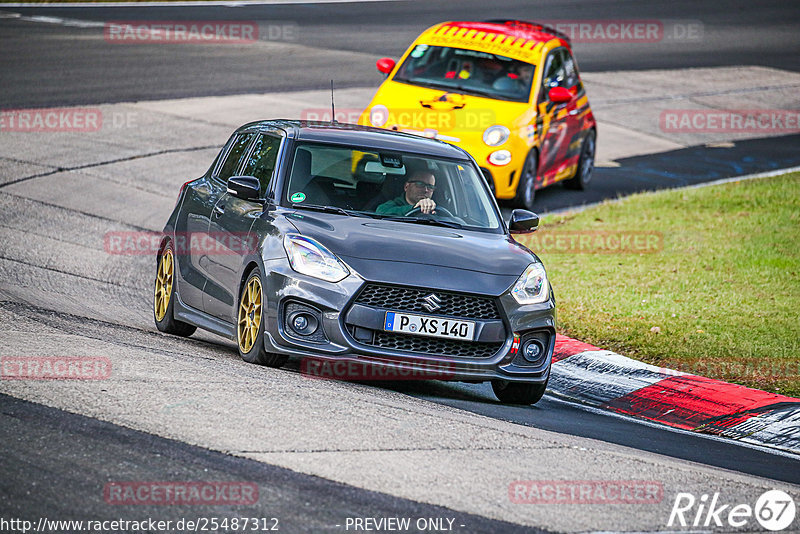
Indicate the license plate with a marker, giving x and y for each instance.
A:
(422, 325)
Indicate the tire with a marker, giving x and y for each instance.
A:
(518, 392)
(164, 296)
(250, 324)
(526, 188)
(583, 174)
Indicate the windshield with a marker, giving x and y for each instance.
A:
(467, 71)
(390, 185)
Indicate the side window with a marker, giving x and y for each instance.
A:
(570, 72)
(261, 162)
(554, 75)
(234, 156)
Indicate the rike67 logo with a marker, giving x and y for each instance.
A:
(774, 510)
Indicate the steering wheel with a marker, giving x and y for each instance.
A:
(438, 211)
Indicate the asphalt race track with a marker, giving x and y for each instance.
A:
(325, 41)
(321, 452)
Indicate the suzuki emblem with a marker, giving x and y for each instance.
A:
(432, 302)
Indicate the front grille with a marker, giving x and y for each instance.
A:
(434, 346)
(411, 300)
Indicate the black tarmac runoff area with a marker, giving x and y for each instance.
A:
(59, 466)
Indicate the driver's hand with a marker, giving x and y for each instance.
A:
(426, 205)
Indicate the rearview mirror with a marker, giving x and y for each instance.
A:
(377, 166)
(523, 222)
(559, 95)
(244, 187)
(385, 65)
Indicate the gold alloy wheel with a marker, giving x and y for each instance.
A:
(249, 315)
(163, 291)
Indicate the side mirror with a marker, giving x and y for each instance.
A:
(385, 65)
(523, 222)
(559, 95)
(244, 187)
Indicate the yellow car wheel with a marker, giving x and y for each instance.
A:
(250, 321)
(583, 173)
(164, 296)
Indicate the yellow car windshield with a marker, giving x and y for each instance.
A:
(467, 71)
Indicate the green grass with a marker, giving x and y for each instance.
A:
(720, 295)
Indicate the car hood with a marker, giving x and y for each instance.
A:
(423, 108)
(413, 254)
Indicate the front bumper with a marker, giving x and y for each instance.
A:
(504, 178)
(345, 349)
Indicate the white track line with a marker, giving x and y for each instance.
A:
(75, 23)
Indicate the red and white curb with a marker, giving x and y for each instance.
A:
(597, 377)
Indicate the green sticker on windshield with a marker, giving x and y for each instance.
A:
(298, 197)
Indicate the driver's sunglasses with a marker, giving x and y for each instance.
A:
(420, 183)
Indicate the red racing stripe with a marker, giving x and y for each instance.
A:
(690, 401)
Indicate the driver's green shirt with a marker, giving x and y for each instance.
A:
(396, 206)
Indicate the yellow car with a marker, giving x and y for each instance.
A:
(508, 92)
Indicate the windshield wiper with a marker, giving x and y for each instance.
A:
(437, 222)
(415, 220)
(450, 87)
(353, 213)
(330, 209)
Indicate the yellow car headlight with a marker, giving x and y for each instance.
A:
(496, 135)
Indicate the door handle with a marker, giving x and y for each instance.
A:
(219, 209)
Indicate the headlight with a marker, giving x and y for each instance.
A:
(532, 286)
(306, 256)
(496, 135)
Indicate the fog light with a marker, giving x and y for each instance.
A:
(532, 350)
(300, 322)
(500, 158)
(303, 323)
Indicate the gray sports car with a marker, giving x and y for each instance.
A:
(357, 249)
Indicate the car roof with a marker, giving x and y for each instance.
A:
(361, 136)
(521, 29)
(514, 38)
